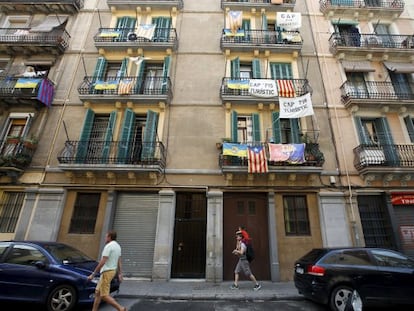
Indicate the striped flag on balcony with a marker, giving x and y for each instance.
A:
(256, 159)
(286, 88)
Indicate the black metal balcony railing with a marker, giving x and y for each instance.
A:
(12, 38)
(371, 41)
(384, 155)
(125, 86)
(147, 3)
(50, 6)
(380, 4)
(313, 157)
(375, 90)
(254, 37)
(113, 153)
(26, 90)
(255, 2)
(16, 154)
(161, 36)
(298, 87)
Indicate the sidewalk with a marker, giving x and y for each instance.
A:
(202, 290)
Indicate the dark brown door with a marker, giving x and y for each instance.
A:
(189, 252)
(250, 211)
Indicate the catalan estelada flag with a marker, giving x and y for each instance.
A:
(256, 159)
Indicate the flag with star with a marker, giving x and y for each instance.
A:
(256, 159)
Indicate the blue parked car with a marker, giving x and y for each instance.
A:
(49, 273)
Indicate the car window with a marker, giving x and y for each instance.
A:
(66, 254)
(24, 255)
(349, 257)
(3, 248)
(391, 259)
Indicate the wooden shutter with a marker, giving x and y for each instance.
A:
(123, 70)
(108, 137)
(150, 136)
(277, 138)
(162, 28)
(165, 74)
(256, 69)
(410, 127)
(234, 127)
(363, 137)
(235, 68)
(295, 130)
(125, 25)
(140, 78)
(281, 71)
(126, 134)
(387, 142)
(100, 68)
(85, 136)
(256, 128)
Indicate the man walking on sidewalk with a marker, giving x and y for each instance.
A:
(243, 263)
(108, 266)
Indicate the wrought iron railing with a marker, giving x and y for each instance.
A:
(229, 87)
(312, 157)
(383, 155)
(16, 153)
(376, 90)
(68, 6)
(254, 37)
(23, 36)
(125, 86)
(381, 4)
(149, 3)
(260, 1)
(113, 153)
(39, 89)
(365, 40)
(161, 35)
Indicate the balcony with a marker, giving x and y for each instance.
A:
(15, 156)
(386, 162)
(237, 90)
(313, 161)
(21, 41)
(118, 156)
(375, 94)
(258, 5)
(150, 90)
(35, 92)
(261, 40)
(41, 7)
(363, 44)
(142, 5)
(116, 39)
(363, 9)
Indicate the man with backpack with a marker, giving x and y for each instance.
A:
(243, 263)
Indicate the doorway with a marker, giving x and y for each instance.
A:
(248, 210)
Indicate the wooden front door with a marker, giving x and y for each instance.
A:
(250, 211)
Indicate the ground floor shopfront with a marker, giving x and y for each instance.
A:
(176, 233)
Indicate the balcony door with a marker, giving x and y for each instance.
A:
(357, 86)
(16, 128)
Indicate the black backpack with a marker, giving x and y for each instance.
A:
(249, 252)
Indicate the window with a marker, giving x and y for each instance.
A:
(10, 207)
(410, 127)
(17, 127)
(391, 259)
(349, 257)
(296, 215)
(84, 213)
(24, 255)
(285, 131)
(245, 128)
(357, 86)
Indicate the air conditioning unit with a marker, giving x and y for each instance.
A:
(132, 36)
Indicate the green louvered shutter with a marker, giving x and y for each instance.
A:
(140, 79)
(122, 72)
(150, 136)
(108, 137)
(256, 128)
(235, 68)
(277, 137)
(162, 28)
(387, 142)
(246, 27)
(295, 131)
(100, 68)
(82, 150)
(125, 25)
(264, 29)
(410, 127)
(281, 71)
(234, 127)
(165, 74)
(363, 137)
(125, 137)
(256, 69)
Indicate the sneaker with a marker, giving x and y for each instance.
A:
(257, 287)
(234, 286)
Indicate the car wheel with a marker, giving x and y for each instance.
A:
(62, 298)
(339, 297)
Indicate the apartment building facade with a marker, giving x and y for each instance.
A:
(161, 112)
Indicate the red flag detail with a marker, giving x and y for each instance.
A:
(256, 160)
(286, 88)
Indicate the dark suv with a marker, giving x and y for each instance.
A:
(380, 276)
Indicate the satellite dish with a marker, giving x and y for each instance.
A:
(132, 36)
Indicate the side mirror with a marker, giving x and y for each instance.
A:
(354, 302)
(40, 264)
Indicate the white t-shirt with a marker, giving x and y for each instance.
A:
(112, 250)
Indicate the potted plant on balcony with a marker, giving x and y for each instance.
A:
(30, 143)
(13, 140)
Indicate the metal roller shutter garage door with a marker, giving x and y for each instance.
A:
(135, 222)
(405, 222)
